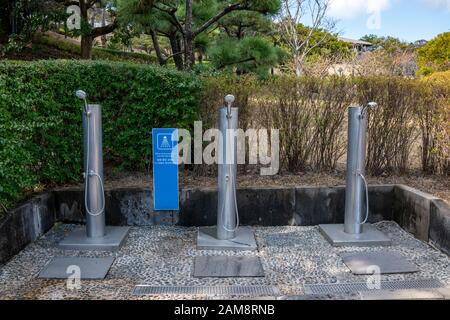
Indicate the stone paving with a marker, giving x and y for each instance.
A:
(163, 256)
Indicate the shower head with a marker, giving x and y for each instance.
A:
(229, 99)
(371, 105)
(81, 94)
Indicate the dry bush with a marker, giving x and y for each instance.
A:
(433, 113)
(335, 95)
(289, 110)
(382, 63)
(311, 115)
(392, 127)
(266, 105)
(244, 88)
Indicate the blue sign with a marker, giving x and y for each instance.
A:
(165, 169)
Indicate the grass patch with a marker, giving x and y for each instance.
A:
(97, 53)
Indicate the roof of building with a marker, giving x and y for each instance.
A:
(352, 41)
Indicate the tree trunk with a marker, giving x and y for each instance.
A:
(298, 65)
(14, 19)
(189, 56)
(161, 60)
(176, 51)
(86, 40)
(200, 58)
(86, 47)
(88, 37)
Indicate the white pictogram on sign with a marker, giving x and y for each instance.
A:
(165, 143)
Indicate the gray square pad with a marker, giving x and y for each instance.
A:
(225, 266)
(90, 268)
(245, 240)
(388, 263)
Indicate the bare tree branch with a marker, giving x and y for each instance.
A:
(291, 16)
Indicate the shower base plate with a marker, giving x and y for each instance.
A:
(90, 268)
(360, 263)
(245, 240)
(112, 241)
(370, 237)
(227, 267)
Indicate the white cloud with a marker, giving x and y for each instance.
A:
(439, 4)
(342, 9)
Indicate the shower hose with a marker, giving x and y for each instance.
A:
(367, 197)
(359, 174)
(89, 173)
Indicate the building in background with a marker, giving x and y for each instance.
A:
(358, 45)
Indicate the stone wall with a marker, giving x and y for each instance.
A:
(421, 214)
(303, 206)
(25, 224)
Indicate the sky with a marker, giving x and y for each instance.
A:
(409, 20)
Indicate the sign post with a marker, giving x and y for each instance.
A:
(165, 169)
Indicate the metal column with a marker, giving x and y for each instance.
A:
(227, 235)
(354, 231)
(356, 162)
(226, 209)
(96, 236)
(94, 193)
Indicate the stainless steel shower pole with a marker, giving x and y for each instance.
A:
(226, 210)
(96, 236)
(227, 234)
(355, 231)
(93, 162)
(356, 161)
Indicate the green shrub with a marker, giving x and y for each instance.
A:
(435, 55)
(41, 123)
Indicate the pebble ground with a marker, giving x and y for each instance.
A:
(164, 256)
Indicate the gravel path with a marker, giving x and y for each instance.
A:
(291, 257)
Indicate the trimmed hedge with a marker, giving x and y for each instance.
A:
(41, 119)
